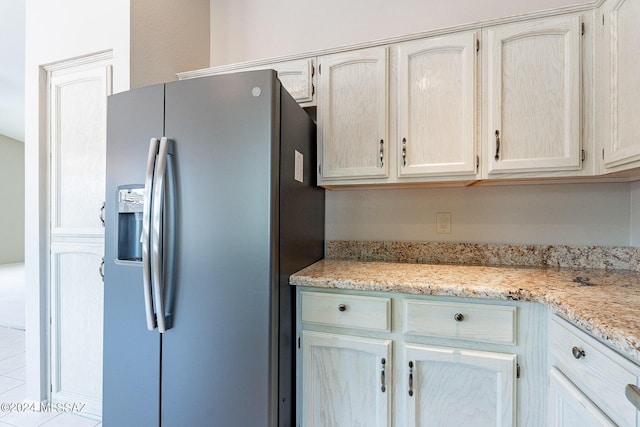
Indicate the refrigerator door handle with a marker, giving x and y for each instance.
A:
(157, 254)
(145, 237)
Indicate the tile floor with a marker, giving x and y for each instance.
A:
(12, 389)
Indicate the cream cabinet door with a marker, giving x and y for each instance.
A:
(352, 115)
(76, 324)
(297, 76)
(345, 380)
(457, 387)
(622, 38)
(77, 134)
(533, 96)
(569, 407)
(437, 106)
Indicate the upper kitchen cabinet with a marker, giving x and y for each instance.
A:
(434, 135)
(533, 98)
(297, 76)
(619, 85)
(352, 115)
(436, 80)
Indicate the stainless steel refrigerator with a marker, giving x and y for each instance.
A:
(211, 205)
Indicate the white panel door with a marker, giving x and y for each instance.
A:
(457, 387)
(533, 96)
(569, 407)
(437, 106)
(623, 40)
(346, 380)
(76, 328)
(77, 137)
(352, 115)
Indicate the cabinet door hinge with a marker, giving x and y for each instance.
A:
(298, 342)
(477, 164)
(313, 70)
(319, 168)
(313, 90)
(319, 68)
(603, 19)
(517, 370)
(477, 45)
(582, 26)
(603, 154)
(584, 155)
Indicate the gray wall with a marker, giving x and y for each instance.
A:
(11, 200)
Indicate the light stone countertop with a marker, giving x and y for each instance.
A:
(605, 303)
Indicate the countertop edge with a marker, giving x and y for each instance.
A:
(621, 341)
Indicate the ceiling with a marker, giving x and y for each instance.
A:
(12, 41)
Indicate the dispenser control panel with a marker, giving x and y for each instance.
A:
(130, 200)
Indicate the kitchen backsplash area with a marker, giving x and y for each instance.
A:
(560, 256)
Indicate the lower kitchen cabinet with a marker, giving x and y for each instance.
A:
(345, 380)
(588, 380)
(367, 359)
(448, 386)
(569, 407)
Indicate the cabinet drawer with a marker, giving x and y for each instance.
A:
(595, 369)
(349, 311)
(466, 321)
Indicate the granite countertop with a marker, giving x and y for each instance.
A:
(605, 303)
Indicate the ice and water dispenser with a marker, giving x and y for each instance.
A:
(130, 206)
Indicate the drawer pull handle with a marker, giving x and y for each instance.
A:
(458, 317)
(383, 382)
(633, 394)
(577, 352)
(342, 307)
(410, 378)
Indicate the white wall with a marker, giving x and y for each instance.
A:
(244, 30)
(573, 214)
(11, 200)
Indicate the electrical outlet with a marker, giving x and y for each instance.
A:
(443, 222)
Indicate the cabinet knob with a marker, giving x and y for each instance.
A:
(577, 352)
(342, 307)
(458, 317)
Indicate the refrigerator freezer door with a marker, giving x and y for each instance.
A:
(219, 364)
(131, 352)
